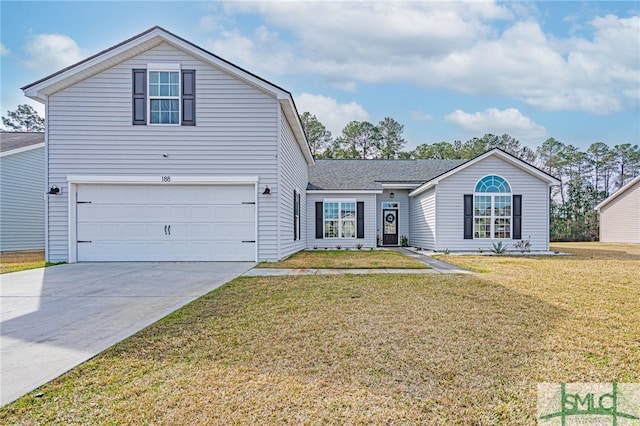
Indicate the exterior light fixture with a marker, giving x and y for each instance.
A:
(54, 190)
(267, 191)
(391, 195)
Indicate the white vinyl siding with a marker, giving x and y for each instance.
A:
(370, 207)
(90, 133)
(620, 218)
(293, 175)
(22, 201)
(422, 213)
(450, 212)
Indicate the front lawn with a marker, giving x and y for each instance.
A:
(346, 259)
(367, 349)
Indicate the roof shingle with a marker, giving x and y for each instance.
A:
(371, 174)
(15, 140)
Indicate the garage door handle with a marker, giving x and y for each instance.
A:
(249, 241)
(169, 229)
(165, 230)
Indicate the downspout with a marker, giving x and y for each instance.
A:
(278, 179)
(46, 178)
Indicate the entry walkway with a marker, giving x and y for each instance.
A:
(437, 267)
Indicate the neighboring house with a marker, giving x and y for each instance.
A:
(165, 151)
(620, 215)
(22, 188)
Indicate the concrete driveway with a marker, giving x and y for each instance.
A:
(55, 318)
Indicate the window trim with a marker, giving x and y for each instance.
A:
(340, 201)
(492, 206)
(162, 67)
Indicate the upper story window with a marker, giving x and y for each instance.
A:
(164, 94)
(164, 97)
(492, 208)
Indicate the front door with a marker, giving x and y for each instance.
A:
(390, 227)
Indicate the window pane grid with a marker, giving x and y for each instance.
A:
(164, 94)
(339, 219)
(491, 211)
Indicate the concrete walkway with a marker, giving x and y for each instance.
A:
(437, 267)
(53, 319)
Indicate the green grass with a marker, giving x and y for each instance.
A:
(346, 259)
(367, 349)
(22, 260)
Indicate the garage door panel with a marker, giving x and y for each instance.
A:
(166, 223)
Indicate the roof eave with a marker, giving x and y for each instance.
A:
(130, 48)
(616, 194)
(22, 149)
(291, 113)
(521, 164)
(344, 191)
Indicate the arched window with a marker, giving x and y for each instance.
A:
(492, 208)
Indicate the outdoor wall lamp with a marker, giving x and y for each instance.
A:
(54, 190)
(391, 195)
(267, 191)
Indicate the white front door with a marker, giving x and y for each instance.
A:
(166, 223)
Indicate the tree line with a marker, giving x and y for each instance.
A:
(587, 176)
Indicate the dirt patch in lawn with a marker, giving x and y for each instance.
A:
(12, 261)
(365, 349)
(346, 259)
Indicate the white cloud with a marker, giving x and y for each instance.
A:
(51, 52)
(456, 46)
(329, 112)
(208, 23)
(418, 116)
(498, 122)
(4, 50)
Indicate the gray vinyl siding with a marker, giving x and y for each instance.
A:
(22, 201)
(90, 133)
(422, 211)
(450, 214)
(370, 207)
(620, 219)
(294, 175)
(400, 196)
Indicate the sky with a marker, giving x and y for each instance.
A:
(446, 70)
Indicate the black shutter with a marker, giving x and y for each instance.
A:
(360, 219)
(188, 97)
(468, 217)
(517, 217)
(139, 95)
(319, 220)
(295, 215)
(299, 220)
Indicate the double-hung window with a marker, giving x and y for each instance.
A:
(339, 219)
(164, 94)
(164, 97)
(492, 208)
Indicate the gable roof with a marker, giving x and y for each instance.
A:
(344, 175)
(15, 142)
(619, 192)
(419, 175)
(39, 90)
(511, 159)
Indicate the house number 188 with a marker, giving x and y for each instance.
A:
(166, 178)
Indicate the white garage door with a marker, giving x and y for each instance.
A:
(166, 223)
